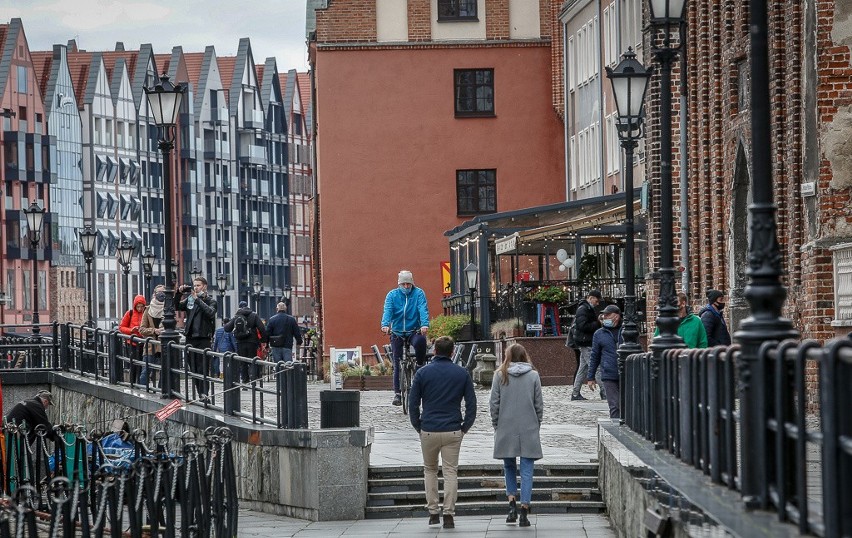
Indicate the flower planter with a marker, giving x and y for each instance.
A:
(370, 382)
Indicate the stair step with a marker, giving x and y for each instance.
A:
(566, 470)
(467, 508)
(493, 481)
(485, 495)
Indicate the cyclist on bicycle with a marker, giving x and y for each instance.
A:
(405, 313)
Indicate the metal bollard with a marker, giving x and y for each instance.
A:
(231, 400)
(292, 386)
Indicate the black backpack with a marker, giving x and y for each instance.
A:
(242, 330)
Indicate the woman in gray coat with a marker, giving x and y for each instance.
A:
(516, 411)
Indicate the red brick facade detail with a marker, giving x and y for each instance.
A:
(419, 20)
(352, 21)
(497, 19)
(550, 17)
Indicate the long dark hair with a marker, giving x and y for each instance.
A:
(514, 353)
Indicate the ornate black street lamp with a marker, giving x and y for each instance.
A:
(125, 253)
(629, 84)
(164, 101)
(257, 287)
(288, 292)
(471, 273)
(764, 291)
(666, 18)
(35, 217)
(221, 283)
(196, 271)
(148, 261)
(88, 241)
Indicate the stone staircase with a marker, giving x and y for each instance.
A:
(398, 491)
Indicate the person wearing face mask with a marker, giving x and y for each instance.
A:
(405, 313)
(605, 344)
(713, 320)
(690, 329)
(150, 328)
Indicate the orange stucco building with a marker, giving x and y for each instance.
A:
(425, 118)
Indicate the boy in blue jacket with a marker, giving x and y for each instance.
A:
(605, 344)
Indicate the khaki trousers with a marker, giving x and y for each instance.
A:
(447, 444)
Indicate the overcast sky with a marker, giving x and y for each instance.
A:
(276, 27)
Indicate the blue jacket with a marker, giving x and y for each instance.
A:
(405, 313)
(605, 342)
(224, 341)
(440, 386)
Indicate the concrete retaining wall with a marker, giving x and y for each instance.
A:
(320, 475)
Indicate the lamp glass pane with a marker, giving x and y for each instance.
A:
(471, 272)
(155, 106)
(87, 241)
(621, 91)
(667, 9)
(637, 95)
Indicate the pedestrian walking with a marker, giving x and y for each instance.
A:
(151, 328)
(585, 324)
(691, 329)
(517, 409)
(714, 322)
(249, 332)
(198, 328)
(603, 361)
(282, 330)
(223, 342)
(440, 386)
(130, 325)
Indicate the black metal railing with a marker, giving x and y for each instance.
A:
(95, 485)
(690, 404)
(275, 393)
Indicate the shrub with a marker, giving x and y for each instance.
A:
(447, 325)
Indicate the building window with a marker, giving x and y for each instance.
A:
(476, 191)
(457, 10)
(474, 92)
(22, 79)
(743, 86)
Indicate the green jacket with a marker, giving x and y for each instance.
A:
(692, 331)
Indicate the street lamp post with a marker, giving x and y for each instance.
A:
(35, 216)
(257, 287)
(221, 282)
(196, 271)
(288, 292)
(88, 239)
(164, 101)
(148, 261)
(629, 84)
(471, 273)
(125, 258)
(666, 16)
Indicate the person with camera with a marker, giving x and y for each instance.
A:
(198, 327)
(249, 331)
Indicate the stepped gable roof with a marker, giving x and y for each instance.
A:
(42, 61)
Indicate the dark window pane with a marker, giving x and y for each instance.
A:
(474, 90)
(476, 191)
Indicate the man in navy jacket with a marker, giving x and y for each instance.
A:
(440, 386)
(604, 354)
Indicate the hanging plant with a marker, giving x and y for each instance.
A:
(549, 294)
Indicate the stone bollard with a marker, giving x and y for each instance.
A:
(483, 374)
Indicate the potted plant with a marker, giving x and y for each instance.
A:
(549, 294)
(448, 325)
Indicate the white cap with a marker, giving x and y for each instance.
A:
(405, 277)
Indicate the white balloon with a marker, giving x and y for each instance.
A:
(569, 262)
(563, 268)
(561, 254)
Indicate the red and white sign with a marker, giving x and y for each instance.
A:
(170, 409)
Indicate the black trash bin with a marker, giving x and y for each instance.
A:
(340, 409)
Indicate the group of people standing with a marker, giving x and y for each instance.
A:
(243, 334)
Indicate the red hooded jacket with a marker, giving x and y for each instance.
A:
(133, 318)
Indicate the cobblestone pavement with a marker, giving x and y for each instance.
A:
(258, 524)
(568, 432)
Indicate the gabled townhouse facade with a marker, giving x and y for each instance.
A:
(67, 272)
(28, 169)
(297, 106)
(431, 113)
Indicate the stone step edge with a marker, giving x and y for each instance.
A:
(543, 467)
(538, 507)
(480, 491)
(418, 480)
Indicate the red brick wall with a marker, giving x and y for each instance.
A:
(347, 21)
(552, 27)
(419, 20)
(497, 19)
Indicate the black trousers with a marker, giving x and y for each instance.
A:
(248, 372)
(197, 364)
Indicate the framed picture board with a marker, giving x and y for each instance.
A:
(350, 356)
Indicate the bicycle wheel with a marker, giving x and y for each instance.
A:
(405, 383)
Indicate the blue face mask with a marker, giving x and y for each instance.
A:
(405, 290)
(608, 323)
